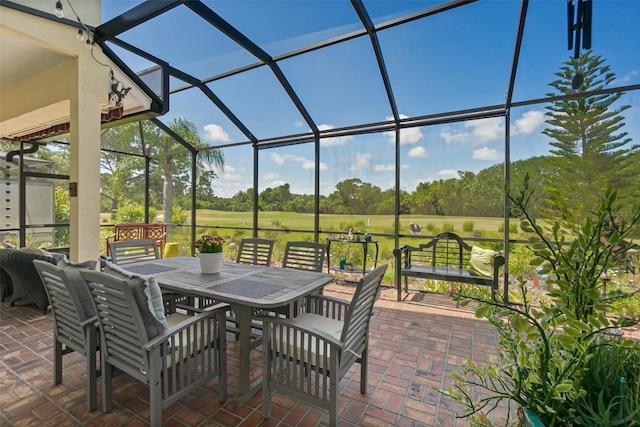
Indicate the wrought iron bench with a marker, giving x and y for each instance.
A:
(448, 258)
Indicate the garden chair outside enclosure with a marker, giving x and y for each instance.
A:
(306, 357)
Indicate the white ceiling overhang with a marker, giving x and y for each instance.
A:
(32, 102)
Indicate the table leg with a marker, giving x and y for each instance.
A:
(244, 314)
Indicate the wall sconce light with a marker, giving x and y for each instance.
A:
(59, 12)
(80, 35)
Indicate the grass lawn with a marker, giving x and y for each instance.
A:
(341, 223)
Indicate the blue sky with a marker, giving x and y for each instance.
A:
(457, 60)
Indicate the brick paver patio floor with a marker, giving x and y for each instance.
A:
(413, 345)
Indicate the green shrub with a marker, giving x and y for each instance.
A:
(513, 228)
(178, 215)
(614, 370)
(467, 226)
(448, 227)
(130, 214)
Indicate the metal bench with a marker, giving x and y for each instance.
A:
(446, 257)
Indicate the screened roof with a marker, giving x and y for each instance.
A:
(272, 72)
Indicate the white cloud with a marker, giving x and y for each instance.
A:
(485, 130)
(452, 137)
(627, 78)
(384, 168)
(310, 165)
(480, 132)
(528, 123)
(407, 136)
(270, 176)
(216, 133)
(276, 183)
(330, 142)
(282, 159)
(447, 173)
(418, 152)
(486, 153)
(298, 124)
(361, 162)
(306, 163)
(231, 173)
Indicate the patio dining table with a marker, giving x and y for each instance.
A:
(245, 287)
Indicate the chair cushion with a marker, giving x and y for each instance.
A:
(330, 326)
(78, 284)
(481, 261)
(36, 251)
(148, 296)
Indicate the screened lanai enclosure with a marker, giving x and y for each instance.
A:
(303, 120)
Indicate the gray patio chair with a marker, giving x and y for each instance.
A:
(306, 357)
(304, 255)
(128, 251)
(173, 360)
(73, 327)
(255, 251)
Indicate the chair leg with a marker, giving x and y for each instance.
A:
(90, 345)
(155, 398)
(334, 393)
(266, 373)
(222, 357)
(57, 361)
(363, 370)
(107, 374)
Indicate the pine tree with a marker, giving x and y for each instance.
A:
(590, 152)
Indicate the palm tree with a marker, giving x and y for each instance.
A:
(176, 162)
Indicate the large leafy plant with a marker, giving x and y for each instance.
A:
(545, 350)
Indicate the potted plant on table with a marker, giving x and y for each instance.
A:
(210, 253)
(546, 365)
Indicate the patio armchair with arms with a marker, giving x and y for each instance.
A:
(74, 323)
(173, 360)
(306, 357)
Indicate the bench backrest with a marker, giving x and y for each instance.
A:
(445, 250)
(139, 231)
